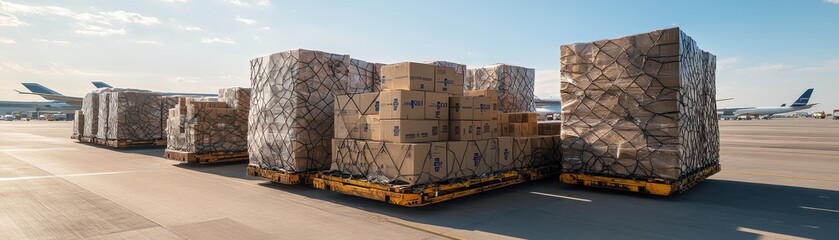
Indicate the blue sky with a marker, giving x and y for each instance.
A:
(768, 52)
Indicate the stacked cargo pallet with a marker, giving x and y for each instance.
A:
(78, 125)
(123, 118)
(291, 116)
(639, 113)
(515, 85)
(209, 131)
(424, 132)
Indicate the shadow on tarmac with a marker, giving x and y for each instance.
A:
(715, 209)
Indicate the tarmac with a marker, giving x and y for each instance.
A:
(778, 180)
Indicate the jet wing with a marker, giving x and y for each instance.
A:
(74, 101)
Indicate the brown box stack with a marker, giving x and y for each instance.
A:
(550, 128)
(520, 124)
(203, 127)
(640, 106)
(514, 84)
(78, 124)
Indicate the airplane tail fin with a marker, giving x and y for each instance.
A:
(38, 88)
(99, 84)
(803, 99)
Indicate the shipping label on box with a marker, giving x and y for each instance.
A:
(506, 158)
(461, 108)
(408, 76)
(410, 131)
(436, 106)
(481, 108)
(461, 130)
(447, 80)
(370, 128)
(401, 104)
(486, 130)
(444, 130)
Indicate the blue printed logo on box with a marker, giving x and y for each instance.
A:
(476, 159)
(437, 164)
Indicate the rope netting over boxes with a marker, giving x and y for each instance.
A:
(90, 109)
(135, 116)
(125, 114)
(201, 127)
(291, 116)
(641, 106)
(515, 85)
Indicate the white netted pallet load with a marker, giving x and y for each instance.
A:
(364, 77)
(515, 85)
(136, 116)
(291, 116)
(104, 108)
(640, 106)
(90, 109)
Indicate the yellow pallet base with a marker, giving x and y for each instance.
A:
(213, 157)
(655, 187)
(409, 197)
(281, 177)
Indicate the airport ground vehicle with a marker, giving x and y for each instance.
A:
(9, 117)
(819, 115)
(836, 114)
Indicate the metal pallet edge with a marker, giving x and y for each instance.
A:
(205, 158)
(653, 186)
(282, 177)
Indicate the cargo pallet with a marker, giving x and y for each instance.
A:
(413, 197)
(660, 187)
(203, 158)
(123, 143)
(279, 176)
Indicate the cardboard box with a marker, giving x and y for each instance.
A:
(410, 131)
(408, 76)
(346, 125)
(413, 163)
(506, 158)
(444, 130)
(518, 117)
(370, 128)
(522, 152)
(482, 93)
(550, 128)
(462, 130)
(402, 104)
(459, 155)
(495, 128)
(447, 80)
(460, 108)
(489, 156)
(473, 158)
(436, 106)
(482, 109)
(485, 129)
(359, 103)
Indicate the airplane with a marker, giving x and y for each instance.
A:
(800, 104)
(550, 108)
(57, 101)
(100, 85)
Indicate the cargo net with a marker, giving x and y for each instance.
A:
(291, 116)
(90, 109)
(364, 77)
(641, 106)
(78, 123)
(210, 127)
(104, 109)
(415, 166)
(135, 116)
(515, 86)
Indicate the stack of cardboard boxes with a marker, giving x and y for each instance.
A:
(422, 128)
(78, 124)
(205, 127)
(123, 114)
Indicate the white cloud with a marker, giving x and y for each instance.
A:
(14, 67)
(725, 63)
(832, 1)
(245, 20)
(84, 20)
(237, 2)
(763, 68)
(149, 42)
(191, 29)
(182, 80)
(175, 1)
(267, 2)
(130, 17)
(7, 41)
(266, 28)
(7, 20)
(50, 41)
(53, 69)
(217, 40)
(93, 30)
(257, 38)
